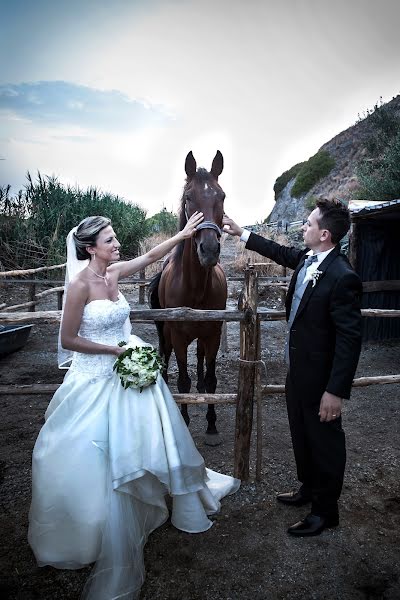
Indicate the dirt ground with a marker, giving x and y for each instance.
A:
(247, 554)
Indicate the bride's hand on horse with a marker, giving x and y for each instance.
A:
(190, 228)
(229, 226)
(129, 267)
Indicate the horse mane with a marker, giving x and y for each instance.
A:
(201, 176)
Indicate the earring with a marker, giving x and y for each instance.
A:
(94, 256)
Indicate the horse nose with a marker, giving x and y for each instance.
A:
(207, 248)
(208, 252)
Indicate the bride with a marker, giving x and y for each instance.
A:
(106, 457)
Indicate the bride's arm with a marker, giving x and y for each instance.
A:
(72, 316)
(129, 267)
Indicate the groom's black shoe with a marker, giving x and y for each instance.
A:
(313, 525)
(293, 498)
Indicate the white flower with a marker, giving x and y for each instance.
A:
(315, 276)
(138, 367)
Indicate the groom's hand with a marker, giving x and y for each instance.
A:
(330, 407)
(229, 226)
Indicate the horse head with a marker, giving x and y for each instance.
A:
(203, 193)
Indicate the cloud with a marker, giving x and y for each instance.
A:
(55, 103)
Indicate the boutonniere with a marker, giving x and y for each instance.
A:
(315, 276)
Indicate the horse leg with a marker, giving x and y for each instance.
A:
(210, 380)
(201, 386)
(165, 350)
(184, 381)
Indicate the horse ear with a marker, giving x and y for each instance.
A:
(217, 165)
(190, 165)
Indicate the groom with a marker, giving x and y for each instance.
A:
(322, 351)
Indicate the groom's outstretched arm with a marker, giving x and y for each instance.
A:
(283, 255)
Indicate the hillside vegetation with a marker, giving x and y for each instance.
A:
(362, 162)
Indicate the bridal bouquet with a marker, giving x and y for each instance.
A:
(138, 366)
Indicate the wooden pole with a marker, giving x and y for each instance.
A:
(258, 395)
(142, 286)
(353, 235)
(60, 295)
(19, 272)
(32, 297)
(178, 314)
(224, 338)
(37, 297)
(248, 356)
(50, 388)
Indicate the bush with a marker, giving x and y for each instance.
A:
(310, 202)
(379, 171)
(317, 167)
(35, 222)
(284, 179)
(163, 222)
(380, 179)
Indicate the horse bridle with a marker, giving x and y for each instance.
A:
(205, 225)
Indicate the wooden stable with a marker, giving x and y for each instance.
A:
(250, 316)
(373, 252)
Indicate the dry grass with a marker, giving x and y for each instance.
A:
(263, 265)
(149, 243)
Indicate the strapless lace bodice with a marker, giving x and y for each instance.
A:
(102, 322)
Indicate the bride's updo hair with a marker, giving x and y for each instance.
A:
(86, 235)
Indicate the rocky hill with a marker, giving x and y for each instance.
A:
(347, 148)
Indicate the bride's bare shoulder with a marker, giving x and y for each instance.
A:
(79, 287)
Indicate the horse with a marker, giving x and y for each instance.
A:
(192, 277)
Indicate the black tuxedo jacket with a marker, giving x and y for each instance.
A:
(325, 337)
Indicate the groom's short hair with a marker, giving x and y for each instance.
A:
(335, 218)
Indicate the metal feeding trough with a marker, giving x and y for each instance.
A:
(13, 337)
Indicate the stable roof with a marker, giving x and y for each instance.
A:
(372, 208)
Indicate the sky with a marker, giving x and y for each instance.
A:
(115, 94)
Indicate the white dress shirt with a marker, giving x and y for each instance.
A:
(314, 266)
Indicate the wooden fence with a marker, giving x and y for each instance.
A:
(250, 316)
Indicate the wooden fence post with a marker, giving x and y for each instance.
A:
(142, 286)
(259, 411)
(247, 369)
(32, 296)
(224, 338)
(60, 300)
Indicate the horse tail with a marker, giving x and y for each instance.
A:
(154, 302)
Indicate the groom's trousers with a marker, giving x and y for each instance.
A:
(319, 448)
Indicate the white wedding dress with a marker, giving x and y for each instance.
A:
(103, 463)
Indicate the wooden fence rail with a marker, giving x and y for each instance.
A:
(267, 390)
(30, 271)
(178, 314)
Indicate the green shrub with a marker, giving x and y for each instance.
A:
(379, 171)
(162, 222)
(310, 202)
(380, 179)
(286, 176)
(317, 167)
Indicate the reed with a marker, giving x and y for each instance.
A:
(34, 222)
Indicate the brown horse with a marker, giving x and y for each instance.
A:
(192, 277)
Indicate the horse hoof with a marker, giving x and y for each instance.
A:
(212, 439)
